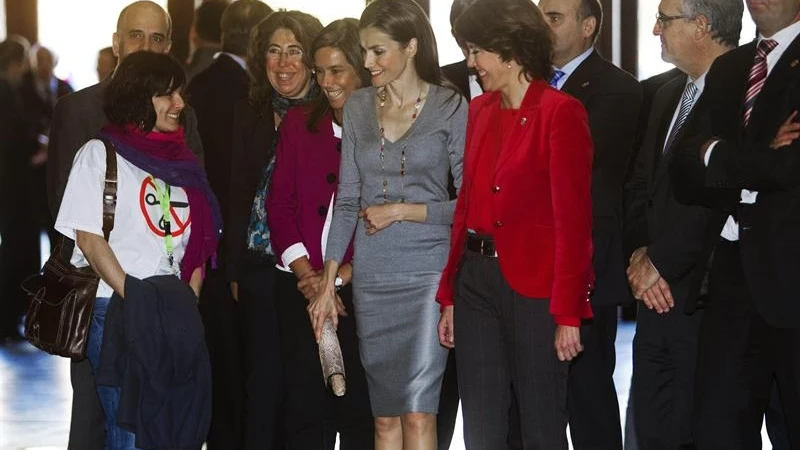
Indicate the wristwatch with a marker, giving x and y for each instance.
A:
(338, 282)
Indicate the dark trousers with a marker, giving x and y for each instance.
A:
(262, 355)
(506, 340)
(312, 415)
(739, 355)
(448, 404)
(591, 396)
(662, 387)
(222, 320)
(87, 421)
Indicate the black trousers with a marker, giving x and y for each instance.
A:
(662, 387)
(222, 320)
(506, 341)
(739, 355)
(312, 415)
(87, 429)
(262, 355)
(448, 404)
(591, 396)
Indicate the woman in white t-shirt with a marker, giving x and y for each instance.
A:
(166, 220)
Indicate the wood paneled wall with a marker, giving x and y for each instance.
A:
(22, 19)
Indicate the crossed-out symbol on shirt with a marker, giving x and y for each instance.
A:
(151, 211)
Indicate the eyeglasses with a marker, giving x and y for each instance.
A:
(663, 19)
(292, 54)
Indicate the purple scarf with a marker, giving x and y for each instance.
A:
(166, 157)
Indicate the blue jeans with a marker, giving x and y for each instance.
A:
(117, 438)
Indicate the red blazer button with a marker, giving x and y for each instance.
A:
(495, 189)
(498, 224)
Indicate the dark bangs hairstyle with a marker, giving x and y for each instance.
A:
(305, 28)
(514, 29)
(340, 34)
(140, 77)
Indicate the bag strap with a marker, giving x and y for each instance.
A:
(109, 189)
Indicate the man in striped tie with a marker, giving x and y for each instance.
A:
(664, 237)
(745, 163)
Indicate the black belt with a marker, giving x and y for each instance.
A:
(481, 244)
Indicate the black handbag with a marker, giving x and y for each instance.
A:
(62, 296)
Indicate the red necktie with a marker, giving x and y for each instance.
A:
(758, 75)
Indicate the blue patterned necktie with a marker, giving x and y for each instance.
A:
(687, 100)
(557, 75)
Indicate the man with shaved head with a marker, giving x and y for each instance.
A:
(78, 117)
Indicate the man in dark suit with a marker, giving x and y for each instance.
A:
(665, 237)
(39, 91)
(78, 117)
(612, 98)
(16, 260)
(205, 36)
(214, 93)
(743, 162)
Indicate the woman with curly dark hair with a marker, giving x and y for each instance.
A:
(520, 264)
(166, 220)
(280, 65)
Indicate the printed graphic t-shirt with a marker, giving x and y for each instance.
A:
(137, 239)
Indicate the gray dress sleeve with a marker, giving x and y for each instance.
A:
(455, 110)
(348, 197)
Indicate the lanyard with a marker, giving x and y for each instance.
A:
(162, 194)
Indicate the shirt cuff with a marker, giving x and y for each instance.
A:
(294, 252)
(707, 157)
(568, 321)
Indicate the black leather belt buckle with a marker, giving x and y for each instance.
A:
(481, 244)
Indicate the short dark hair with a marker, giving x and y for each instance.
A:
(404, 20)
(341, 34)
(457, 9)
(12, 50)
(238, 20)
(207, 20)
(140, 77)
(592, 8)
(305, 28)
(514, 29)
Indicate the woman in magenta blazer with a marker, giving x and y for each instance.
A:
(520, 264)
(299, 205)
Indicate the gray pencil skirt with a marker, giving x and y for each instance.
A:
(397, 316)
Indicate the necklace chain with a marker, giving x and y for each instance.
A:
(382, 102)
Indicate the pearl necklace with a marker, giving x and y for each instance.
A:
(382, 102)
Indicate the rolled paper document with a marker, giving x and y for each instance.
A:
(330, 357)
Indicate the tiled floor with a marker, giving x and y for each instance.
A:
(35, 395)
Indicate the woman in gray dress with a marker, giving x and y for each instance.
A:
(401, 139)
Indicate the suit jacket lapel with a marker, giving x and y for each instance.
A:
(580, 80)
(530, 103)
(667, 105)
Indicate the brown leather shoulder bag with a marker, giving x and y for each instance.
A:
(62, 295)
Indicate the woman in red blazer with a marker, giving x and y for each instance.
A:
(520, 267)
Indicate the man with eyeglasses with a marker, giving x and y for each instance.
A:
(77, 118)
(665, 238)
(612, 98)
(743, 161)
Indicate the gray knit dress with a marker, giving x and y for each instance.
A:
(396, 272)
